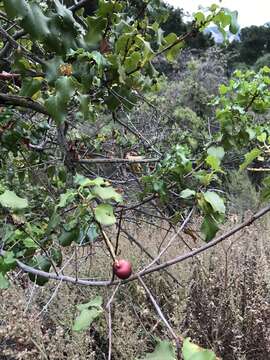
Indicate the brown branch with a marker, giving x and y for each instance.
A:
(162, 266)
(16, 45)
(25, 102)
(162, 317)
(8, 46)
(116, 161)
(144, 250)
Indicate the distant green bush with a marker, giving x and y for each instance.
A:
(262, 61)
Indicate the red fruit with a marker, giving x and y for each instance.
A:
(122, 269)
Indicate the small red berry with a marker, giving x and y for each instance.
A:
(122, 269)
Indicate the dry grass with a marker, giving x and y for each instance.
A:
(222, 303)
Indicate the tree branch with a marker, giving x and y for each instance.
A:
(153, 269)
(22, 101)
(116, 161)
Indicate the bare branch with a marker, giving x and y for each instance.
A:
(16, 45)
(163, 266)
(161, 315)
(116, 161)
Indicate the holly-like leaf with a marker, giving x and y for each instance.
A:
(163, 350)
(104, 214)
(57, 104)
(10, 200)
(16, 8)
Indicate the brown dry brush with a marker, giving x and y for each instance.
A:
(228, 309)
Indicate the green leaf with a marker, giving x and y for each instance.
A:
(83, 181)
(223, 89)
(92, 232)
(96, 26)
(35, 22)
(85, 319)
(29, 243)
(215, 201)
(67, 237)
(107, 193)
(4, 283)
(56, 104)
(96, 302)
(104, 214)
(249, 157)
(217, 152)
(187, 193)
(213, 162)
(192, 351)
(54, 221)
(16, 8)
(10, 200)
(209, 228)
(56, 256)
(66, 198)
(163, 351)
(30, 86)
(42, 263)
(262, 137)
(234, 26)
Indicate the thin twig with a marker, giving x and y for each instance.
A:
(153, 269)
(170, 242)
(161, 315)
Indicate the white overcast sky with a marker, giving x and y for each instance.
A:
(249, 12)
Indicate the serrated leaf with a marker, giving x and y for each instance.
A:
(163, 350)
(104, 214)
(56, 104)
(16, 7)
(249, 157)
(85, 319)
(96, 26)
(35, 22)
(10, 200)
(215, 201)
